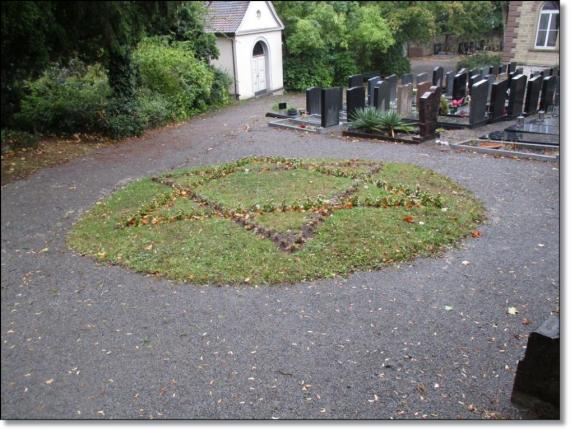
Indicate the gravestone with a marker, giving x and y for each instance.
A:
(355, 99)
(548, 90)
(330, 107)
(532, 93)
(371, 84)
(491, 79)
(355, 81)
(491, 71)
(519, 71)
(437, 76)
(485, 70)
(421, 89)
(392, 82)
(537, 380)
(405, 97)
(449, 83)
(473, 80)
(501, 69)
(407, 78)
(282, 105)
(340, 96)
(382, 96)
(516, 95)
(498, 98)
(428, 110)
(472, 73)
(421, 77)
(460, 85)
(313, 101)
(511, 67)
(478, 103)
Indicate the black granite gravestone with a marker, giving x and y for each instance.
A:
(371, 83)
(421, 77)
(382, 96)
(392, 82)
(501, 69)
(355, 99)
(437, 76)
(460, 85)
(313, 101)
(537, 380)
(478, 103)
(330, 107)
(473, 79)
(282, 105)
(491, 79)
(511, 67)
(532, 93)
(407, 78)
(516, 95)
(355, 81)
(548, 90)
(449, 83)
(498, 97)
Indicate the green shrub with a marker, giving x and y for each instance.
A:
(123, 119)
(480, 59)
(443, 106)
(169, 68)
(393, 61)
(220, 93)
(372, 120)
(153, 109)
(65, 100)
(17, 139)
(300, 74)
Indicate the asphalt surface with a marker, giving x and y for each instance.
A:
(88, 340)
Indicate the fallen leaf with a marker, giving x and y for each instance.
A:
(526, 321)
(471, 408)
(49, 381)
(512, 310)
(409, 219)
(475, 233)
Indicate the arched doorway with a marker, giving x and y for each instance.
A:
(260, 68)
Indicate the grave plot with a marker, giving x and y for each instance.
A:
(539, 130)
(510, 149)
(270, 220)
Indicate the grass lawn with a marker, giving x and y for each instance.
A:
(272, 220)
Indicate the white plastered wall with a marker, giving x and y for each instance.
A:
(244, 55)
(225, 61)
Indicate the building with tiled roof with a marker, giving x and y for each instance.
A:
(248, 36)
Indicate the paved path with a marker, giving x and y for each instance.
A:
(87, 340)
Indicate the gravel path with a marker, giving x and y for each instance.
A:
(87, 340)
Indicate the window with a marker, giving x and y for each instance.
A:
(548, 25)
(258, 49)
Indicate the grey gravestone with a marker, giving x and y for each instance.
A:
(382, 96)
(460, 85)
(478, 103)
(532, 92)
(428, 110)
(421, 77)
(491, 79)
(472, 72)
(421, 88)
(405, 97)
(537, 380)
(491, 71)
(392, 82)
(355, 81)
(407, 78)
(498, 97)
(548, 90)
(330, 107)
(449, 84)
(313, 103)
(371, 84)
(437, 76)
(501, 69)
(519, 71)
(485, 70)
(516, 95)
(355, 99)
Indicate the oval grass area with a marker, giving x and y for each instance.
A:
(266, 220)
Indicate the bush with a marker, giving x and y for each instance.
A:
(480, 59)
(153, 109)
(65, 100)
(393, 61)
(301, 74)
(16, 139)
(169, 68)
(372, 120)
(123, 119)
(220, 93)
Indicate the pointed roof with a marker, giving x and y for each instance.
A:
(227, 16)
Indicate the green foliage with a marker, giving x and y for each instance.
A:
(17, 139)
(66, 100)
(189, 26)
(220, 93)
(443, 106)
(480, 59)
(471, 20)
(153, 109)
(372, 120)
(300, 73)
(171, 70)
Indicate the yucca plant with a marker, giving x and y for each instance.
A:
(367, 118)
(371, 119)
(392, 122)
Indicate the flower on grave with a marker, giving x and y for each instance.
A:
(457, 102)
